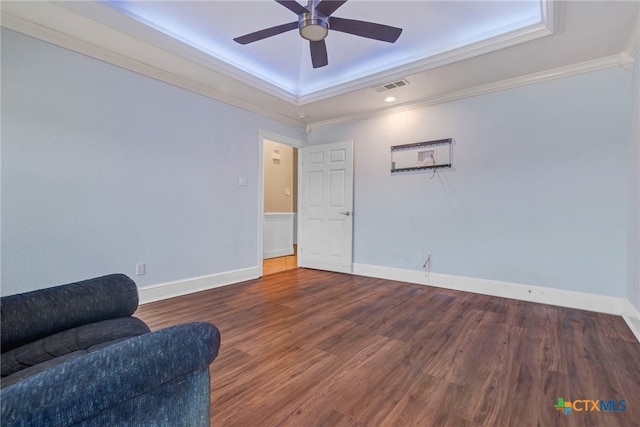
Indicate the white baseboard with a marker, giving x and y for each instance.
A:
(278, 253)
(195, 284)
(631, 315)
(539, 294)
(544, 295)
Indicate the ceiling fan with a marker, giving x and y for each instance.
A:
(314, 23)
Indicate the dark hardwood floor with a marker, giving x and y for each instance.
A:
(312, 348)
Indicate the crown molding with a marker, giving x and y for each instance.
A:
(626, 62)
(450, 56)
(547, 26)
(140, 52)
(620, 60)
(184, 74)
(633, 41)
(196, 54)
(100, 26)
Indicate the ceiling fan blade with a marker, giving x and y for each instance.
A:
(318, 53)
(329, 6)
(293, 6)
(267, 32)
(366, 29)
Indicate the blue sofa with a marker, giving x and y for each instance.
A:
(73, 355)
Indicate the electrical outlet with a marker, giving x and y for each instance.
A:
(396, 253)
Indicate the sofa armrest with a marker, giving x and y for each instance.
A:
(160, 378)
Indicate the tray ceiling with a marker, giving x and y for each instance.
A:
(429, 28)
(447, 50)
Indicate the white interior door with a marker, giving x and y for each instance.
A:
(326, 207)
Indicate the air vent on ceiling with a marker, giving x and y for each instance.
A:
(392, 85)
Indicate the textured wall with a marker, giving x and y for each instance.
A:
(103, 168)
(538, 193)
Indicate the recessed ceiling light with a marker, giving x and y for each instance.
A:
(390, 99)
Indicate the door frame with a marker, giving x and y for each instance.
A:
(280, 139)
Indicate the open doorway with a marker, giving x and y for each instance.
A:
(279, 203)
(280, 163)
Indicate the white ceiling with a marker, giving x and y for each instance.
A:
(429, 28)
(447, 50)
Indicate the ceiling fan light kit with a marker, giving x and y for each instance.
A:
(313, 27)
(314, 23)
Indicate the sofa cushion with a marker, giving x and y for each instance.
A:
(70, 341)
(26, 373)
(34, 315)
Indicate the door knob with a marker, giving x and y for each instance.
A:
(345, 213)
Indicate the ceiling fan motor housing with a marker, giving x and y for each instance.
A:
(313, 26)
(314, 22)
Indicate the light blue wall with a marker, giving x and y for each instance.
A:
(633, 282)
(538, 194)
(103, 168)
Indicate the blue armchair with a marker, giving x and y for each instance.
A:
(73, 355)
